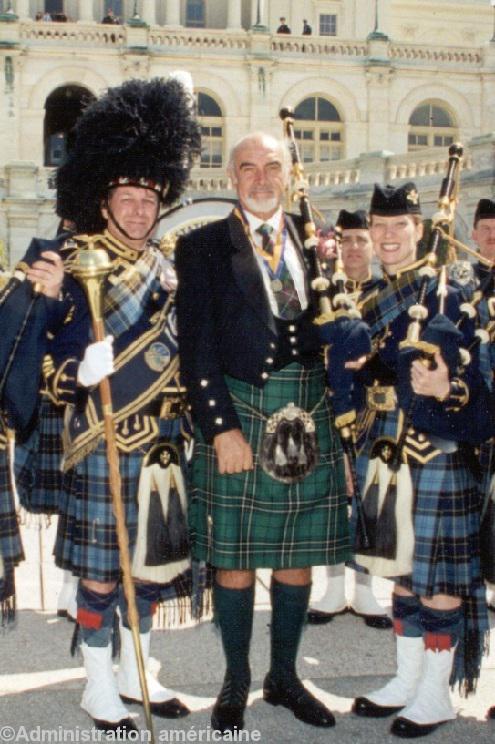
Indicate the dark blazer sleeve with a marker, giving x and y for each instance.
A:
(201, 367)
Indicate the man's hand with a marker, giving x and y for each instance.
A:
(234, 454)
(431, 382)
(356, 364)
(49, 273)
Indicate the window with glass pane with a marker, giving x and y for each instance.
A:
(211, 120)
(116, 6)
(431, 125)
(319, 125)
(195, 13)
(328, 24)
(54, 6)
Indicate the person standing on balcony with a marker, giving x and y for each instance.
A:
(283, 27)
(307, 30)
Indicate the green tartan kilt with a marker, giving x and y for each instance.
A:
(250, 520)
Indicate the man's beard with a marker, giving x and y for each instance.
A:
(262, 206)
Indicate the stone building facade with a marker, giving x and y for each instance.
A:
(380, 88)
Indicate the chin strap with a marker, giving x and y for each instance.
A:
(124, 232)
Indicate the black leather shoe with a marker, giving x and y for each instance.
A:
(318, 617)
(491, 608)
(491, 712)
(226, 718)
(367, 709)
(300, 701)
(228, 712)
(410, 730)
(120, 729)
(172, 708)
(382, 622)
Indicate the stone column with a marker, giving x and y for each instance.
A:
(234, 14)
(22, 9)
(85, 10)
(172, 13)
(149, 12)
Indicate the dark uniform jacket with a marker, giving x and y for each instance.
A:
(226, 326)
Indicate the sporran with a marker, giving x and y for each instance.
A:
(289, 449)
(162, 546)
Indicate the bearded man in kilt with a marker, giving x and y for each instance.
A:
(420, 497)
(133, 150)
(268, 486)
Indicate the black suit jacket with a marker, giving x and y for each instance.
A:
(226, 326)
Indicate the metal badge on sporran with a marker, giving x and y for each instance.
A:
(289, 450)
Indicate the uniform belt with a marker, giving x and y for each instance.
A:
(381, 398)
(168, 408)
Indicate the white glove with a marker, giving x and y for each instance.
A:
(97, 363)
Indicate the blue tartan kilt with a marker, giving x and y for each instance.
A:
(86, 542)
(250, 520)
(446, 517)
(10, 541)
(38, 460)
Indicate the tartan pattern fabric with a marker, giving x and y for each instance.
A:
(86, 542)
(446, 549)
(287, 298)
(38, 462)
(249, 520)
(388, 300)
(126, 299)
(446, 517)
(10, 541)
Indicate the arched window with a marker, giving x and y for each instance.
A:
(54, 10)
(211, 120)
(195, 13)
(116, 6)
(431, 125)
(62, 109)
(319, 129)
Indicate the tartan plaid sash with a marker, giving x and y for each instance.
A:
(389, 299)
(126, 300)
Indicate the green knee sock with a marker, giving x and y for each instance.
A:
(289, 608)
(234, 617)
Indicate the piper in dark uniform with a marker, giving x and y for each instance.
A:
(484, 236)
(29, 319)
(132, 153)
(268, 485)
(357, 253)
(424, 515)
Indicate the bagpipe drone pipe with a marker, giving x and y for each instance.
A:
(343, 333)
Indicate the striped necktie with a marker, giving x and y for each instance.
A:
(267, 244)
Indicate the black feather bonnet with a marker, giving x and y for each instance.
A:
(143, 133)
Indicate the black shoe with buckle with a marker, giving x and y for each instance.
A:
(119, 730)
(366, 708)
(172, 708)
(299, 700)
(318, 617)
(228, 712)
(407, 729)
(382, 622)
